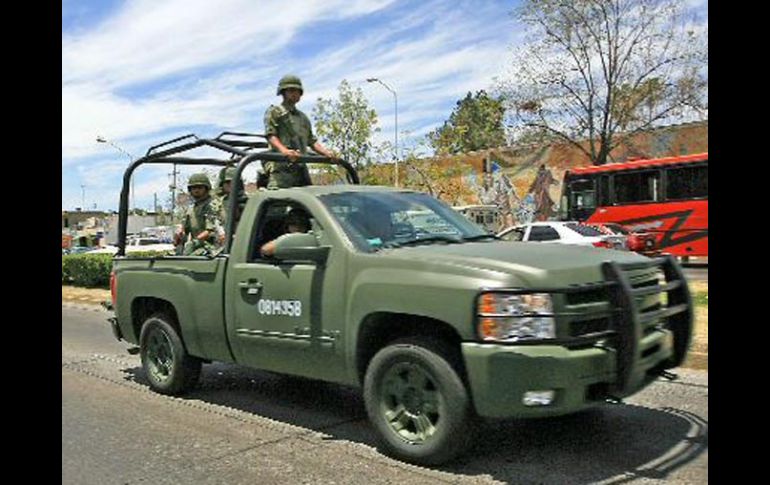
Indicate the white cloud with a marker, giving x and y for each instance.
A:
(147, 39)
(156, 70)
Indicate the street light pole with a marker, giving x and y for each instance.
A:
(395, 98)
(101, 139)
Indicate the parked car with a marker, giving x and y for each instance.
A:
(80, 249)
(575, 233)
(137, 244)
(148, 244)
(486, 216)
(640, 242)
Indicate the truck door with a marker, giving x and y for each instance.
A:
(276, 305)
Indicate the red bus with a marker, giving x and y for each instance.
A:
(667, 197)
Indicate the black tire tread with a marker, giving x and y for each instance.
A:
(186, 375)
(439, 356)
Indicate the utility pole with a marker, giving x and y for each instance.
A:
(172, 188)
(83, 190)
(395, 97)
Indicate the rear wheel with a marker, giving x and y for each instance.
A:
(418, 403)
(168, 366)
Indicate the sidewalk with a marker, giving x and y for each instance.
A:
(696, 359)
(93, 296)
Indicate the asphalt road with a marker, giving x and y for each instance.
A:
(247, 426)
(696, 271)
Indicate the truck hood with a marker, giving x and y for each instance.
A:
(542, 265)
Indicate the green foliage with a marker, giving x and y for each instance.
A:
(476, 123)
(93, 270)
(86, 270)
(381, 174)
(700, 298)
(346, 125)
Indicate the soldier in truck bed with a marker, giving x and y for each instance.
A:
(201, 226)
(290, 133)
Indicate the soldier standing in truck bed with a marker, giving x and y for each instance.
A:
(290, 133)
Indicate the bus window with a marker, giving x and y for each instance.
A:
(687, 182)
(583, 194)
(604, 190)
(636, 187)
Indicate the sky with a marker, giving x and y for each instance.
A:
(140, 72)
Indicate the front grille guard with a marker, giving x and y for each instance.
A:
(629, 321)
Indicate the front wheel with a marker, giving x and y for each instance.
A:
(418, 403)
(168, 366)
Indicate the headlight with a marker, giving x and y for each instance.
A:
(506, 317)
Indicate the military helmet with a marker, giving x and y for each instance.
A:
(289, 81)
(298, 216)
(199, 179)
(229, 174)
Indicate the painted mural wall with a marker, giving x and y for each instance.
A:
(525, 182)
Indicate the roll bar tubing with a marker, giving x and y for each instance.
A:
(233, 146)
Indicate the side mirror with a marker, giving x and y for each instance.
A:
(300, 247)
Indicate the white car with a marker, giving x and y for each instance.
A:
(563, 233)
(138, 244)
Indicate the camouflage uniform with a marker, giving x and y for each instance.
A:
(225, 175)
(204, 215)
(221, 180)
(224, 208)
(293, 128)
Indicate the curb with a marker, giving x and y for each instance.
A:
(90, 307)
(82, 300)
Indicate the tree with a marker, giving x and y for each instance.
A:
(595, 72)
(476, 123)
(347, 124)
(443, 181)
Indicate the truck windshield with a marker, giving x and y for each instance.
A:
(376, 220)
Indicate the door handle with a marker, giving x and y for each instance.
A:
(252, 287)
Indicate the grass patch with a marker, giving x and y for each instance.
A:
(700, 298)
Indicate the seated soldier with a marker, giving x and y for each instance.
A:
(296, 221)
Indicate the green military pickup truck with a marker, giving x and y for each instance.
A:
(439, 323)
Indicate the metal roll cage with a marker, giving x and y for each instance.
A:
(237, 144)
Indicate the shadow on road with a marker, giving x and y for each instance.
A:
(614, 443)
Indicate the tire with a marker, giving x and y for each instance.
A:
(166, 363)
(417, 402)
